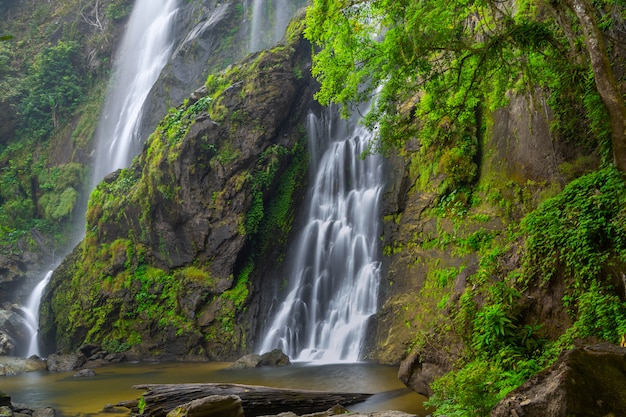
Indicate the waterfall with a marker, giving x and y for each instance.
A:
(255, 26)
(144, 51)
(31, 312)
(334, 278)
(268, 22)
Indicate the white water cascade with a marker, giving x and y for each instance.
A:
(268, 22)
(144, 51)
(31, 312)
(334, 280)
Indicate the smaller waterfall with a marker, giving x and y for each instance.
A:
(31, 311)
(335, 276)
(145, 49)
(255, 26)
(268, 22)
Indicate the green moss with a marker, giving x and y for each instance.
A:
(277, 213)
(580, 230)
(59, 206)
(193, 274)
(227, 154)
(577, 236)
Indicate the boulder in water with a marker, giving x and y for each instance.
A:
(251, 360)
(84, 373)
(11, 365)
(63, 363)
(275, 357)
(44, 412)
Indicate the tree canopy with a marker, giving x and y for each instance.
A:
(441, 60)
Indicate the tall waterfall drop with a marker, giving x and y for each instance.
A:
(144, 51)
(334, 279)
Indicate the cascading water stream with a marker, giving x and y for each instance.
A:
(144, 51)
(269, 18)
(31, 311)
(335, 275)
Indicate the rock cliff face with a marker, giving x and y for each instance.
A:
(207, 38)
(174, 243)
(431, 257)
(583, 382)
(520, 150)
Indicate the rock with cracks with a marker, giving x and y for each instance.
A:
(587, 381)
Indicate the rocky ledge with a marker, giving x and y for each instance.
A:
(11, 365)
(8, 409)
(586, 381)
(86, 357)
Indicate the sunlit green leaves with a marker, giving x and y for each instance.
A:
(451, 55)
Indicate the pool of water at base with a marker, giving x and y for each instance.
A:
(87, 396)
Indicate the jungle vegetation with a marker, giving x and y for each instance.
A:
(436, 67)
(448, 58)
(55, 59)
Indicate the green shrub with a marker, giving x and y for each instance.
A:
(579, 232)
(57, 206)
(118, 10)
(578, 236)
(53, 89)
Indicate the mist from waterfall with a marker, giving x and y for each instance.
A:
(144, 51)
(334, 277)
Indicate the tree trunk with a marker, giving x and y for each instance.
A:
(604, 78)
(160, 399)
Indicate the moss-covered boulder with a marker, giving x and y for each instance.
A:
(175, 242)
(586, 381)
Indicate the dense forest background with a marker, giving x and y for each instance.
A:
(54, 70)
(503, 123)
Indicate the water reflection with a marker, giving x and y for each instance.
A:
(87, 396)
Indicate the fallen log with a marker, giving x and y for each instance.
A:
(160, 399)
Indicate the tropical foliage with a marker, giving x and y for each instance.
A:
(436, 69)
(53, 72)
(446, 60)
(53, 89)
